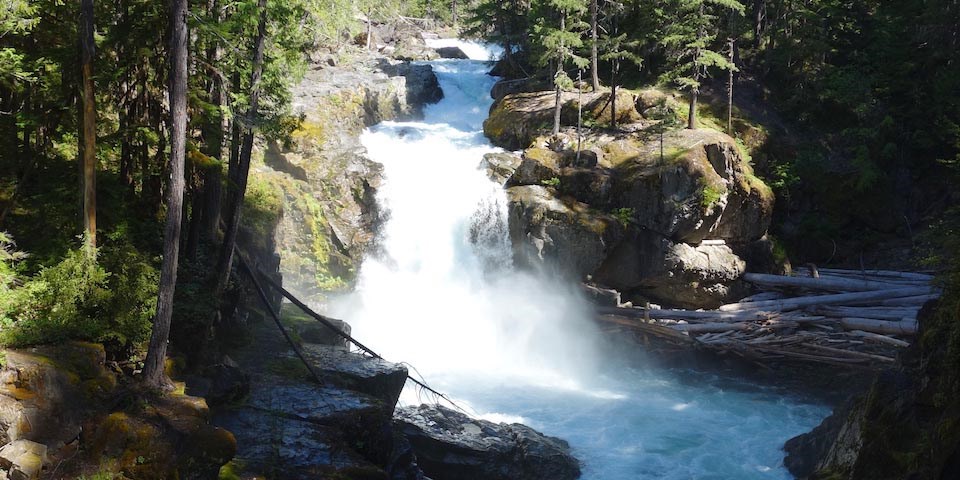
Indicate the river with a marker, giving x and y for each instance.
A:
(507, 345)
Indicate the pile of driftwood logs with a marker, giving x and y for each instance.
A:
(841, 317)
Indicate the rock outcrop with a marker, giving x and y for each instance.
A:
(61, 405)
(322, 177)
(517, 119)
(677, 230)
(452, 446)
(906, 425)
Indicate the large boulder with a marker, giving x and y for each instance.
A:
(561, 233)
(518, 118)
(452, 446)
(500, 166)
(677, 274)
(702, 189)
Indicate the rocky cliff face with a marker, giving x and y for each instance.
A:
(328, 185)
(908, 423)
(677, 222)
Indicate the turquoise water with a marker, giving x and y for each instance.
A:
(517, 346)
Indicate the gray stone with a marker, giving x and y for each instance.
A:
(451, 446)
(548, 232)
(24, 459)
(452, 52)
(500, 166)
(378, 378)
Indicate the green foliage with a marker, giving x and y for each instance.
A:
(710, 194)
(107, 296)
(689, 36)
(551, 182)
(624, 215)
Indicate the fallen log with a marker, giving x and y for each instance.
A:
(659, 314)
(835, 299)
(849, 353)
(905, 327)
(880, 338)
(894, 314)
(831, 284)
(693, 328)
(910, 301)
(763, 296)
(650, 328)
(880, 273)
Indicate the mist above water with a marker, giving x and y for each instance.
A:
(516, 346)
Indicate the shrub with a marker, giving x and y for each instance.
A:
(105, 296)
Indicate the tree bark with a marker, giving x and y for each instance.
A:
(730, 93)
(89, 124)
(243, 167)
(153, 375)
(556, 84)
(594, 68)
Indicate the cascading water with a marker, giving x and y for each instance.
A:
(514, 346)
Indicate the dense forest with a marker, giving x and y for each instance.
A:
(127, 131)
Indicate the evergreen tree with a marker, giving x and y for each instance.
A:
(153, 373)
(689, 39)
(558, 33)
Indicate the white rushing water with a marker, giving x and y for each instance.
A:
(513, 346)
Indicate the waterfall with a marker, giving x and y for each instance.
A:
(443, 296)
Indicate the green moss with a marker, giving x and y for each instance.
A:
(710, 194)
(551, 182)
(231, 471)
(624, 215)
(262, 207)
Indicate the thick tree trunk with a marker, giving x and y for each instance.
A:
(89, 124)
(153, 375)
(213, 144)
(243, 167)
(594, 68)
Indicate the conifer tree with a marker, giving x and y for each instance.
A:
(689, 38)
(558, 32)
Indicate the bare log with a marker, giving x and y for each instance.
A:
(849, 353)
(762, 296)
(836, 299)
(880, 273)
(710, 327)
(880, 338)
(882, 313)
(650, 328)
(905, 327)
(832, 284)
(689, 315)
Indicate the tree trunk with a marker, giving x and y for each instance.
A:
(730, 93)
(759, 14)
(213, 143)
(594, 68)
(243, 167)
(153, 375)
(89, 124)
(453, 12)
(556, 83)
(614, 70)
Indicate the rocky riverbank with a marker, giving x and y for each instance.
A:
(674, 219)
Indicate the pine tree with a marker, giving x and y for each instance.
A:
(690, 40)
(558, 32)
(153, 366)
